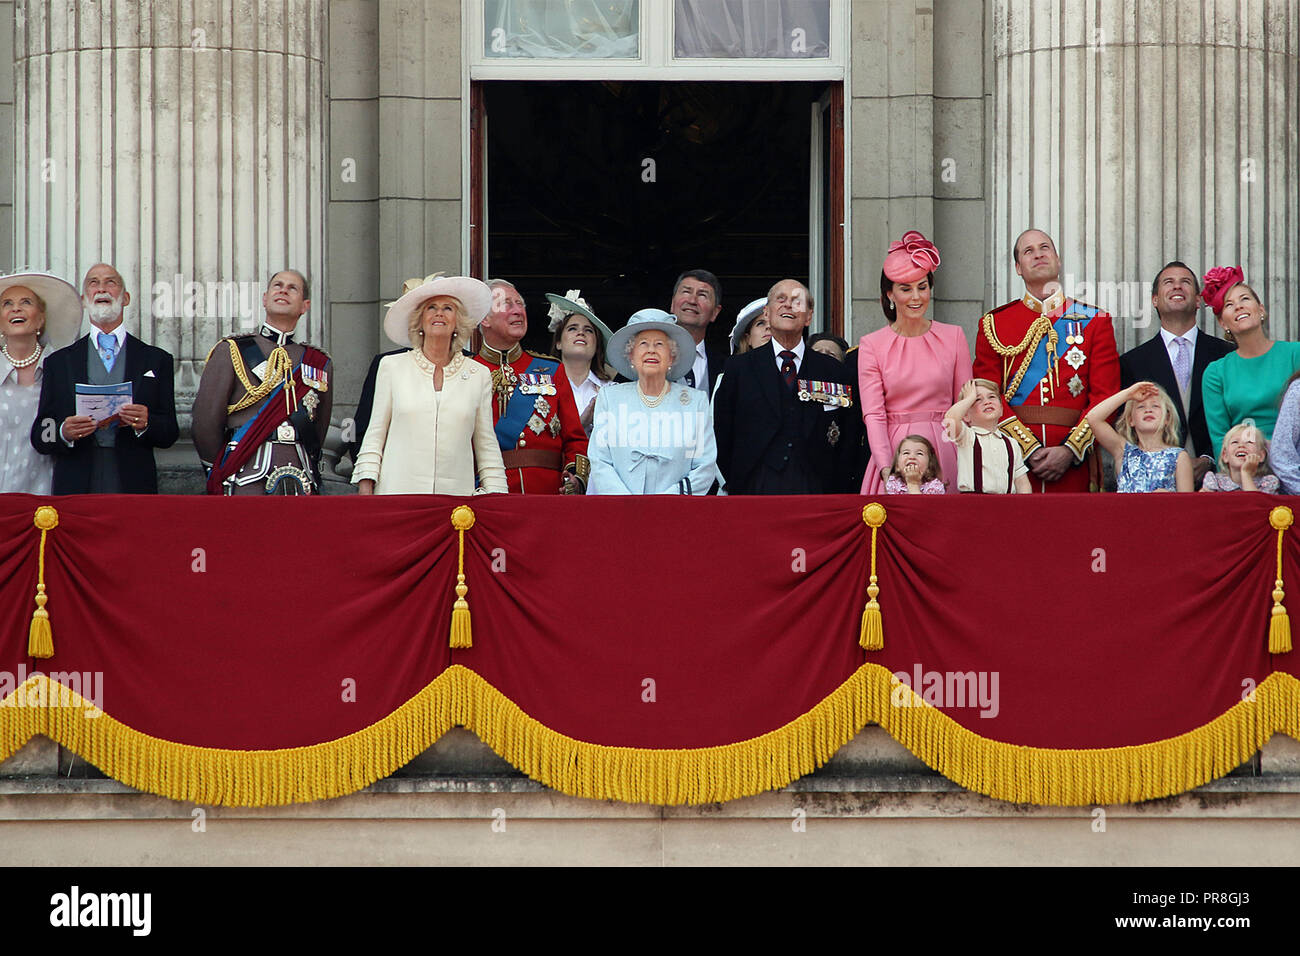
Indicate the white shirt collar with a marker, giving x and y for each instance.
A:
(798, 350)
(119, 332)
(1189, 336)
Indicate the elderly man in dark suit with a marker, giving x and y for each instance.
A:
(782, 414)
(1175, 359)
(118, 458)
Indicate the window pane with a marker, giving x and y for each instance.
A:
(565, 29)
(795, 29)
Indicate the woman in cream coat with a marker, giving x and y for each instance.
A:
(432, 419)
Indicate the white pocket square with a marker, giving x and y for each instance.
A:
(149, 374)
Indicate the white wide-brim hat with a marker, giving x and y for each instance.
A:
(744, 319)
(572, 307)
(62, 305)
(648, 320)
(473, 294)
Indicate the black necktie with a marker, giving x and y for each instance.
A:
(788, 371)
(690, 378)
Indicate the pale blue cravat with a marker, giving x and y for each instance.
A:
(107, 349)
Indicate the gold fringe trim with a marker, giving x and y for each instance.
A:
(208, 775)
(665, 777)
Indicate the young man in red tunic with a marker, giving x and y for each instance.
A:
(542, 440)
(1054, 358)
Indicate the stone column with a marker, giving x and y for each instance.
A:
(1140, 133)
(182, 142)
(918, 149)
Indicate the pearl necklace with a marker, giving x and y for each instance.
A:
(21, 363)
(649, 402)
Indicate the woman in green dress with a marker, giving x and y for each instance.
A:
(1249, 382)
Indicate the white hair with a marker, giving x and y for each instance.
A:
(673, 349)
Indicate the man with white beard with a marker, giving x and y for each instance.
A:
(115, 455)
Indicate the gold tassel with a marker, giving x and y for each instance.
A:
(873, 632)
(462, 519)
(1279, 626)
(40, 639)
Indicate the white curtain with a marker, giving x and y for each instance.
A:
(752, 28)
(587, 29)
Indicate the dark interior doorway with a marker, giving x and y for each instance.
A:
(615, 188)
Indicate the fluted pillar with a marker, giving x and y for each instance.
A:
(1136, 133)
(180, 141)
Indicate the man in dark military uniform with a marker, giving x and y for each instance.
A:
(264, 402)
(538, 427)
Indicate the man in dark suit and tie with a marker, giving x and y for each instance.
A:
(697, 300)
(118, 458)
(1176, 357)
(782, 412)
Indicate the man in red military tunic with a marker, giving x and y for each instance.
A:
(1054, 358)
(542, 440)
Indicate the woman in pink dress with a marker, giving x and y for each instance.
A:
(909, 372)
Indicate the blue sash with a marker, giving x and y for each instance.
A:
(1076, 313)
(520, 409)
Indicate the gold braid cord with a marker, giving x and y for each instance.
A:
(504, 380)
(1041, 326)
(872, 634)
(1279, 625)
(40, 636)
(462, 519)
(279, 370)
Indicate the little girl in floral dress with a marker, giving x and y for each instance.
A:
(1144, 442)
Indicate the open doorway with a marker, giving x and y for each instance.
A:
(615, 188)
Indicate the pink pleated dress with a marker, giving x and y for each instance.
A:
(906, 385)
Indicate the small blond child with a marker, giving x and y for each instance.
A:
(1144, 441)
(915, 470)
(1245, 452)
(988, 462)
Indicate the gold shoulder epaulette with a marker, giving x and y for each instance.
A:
(228, 338)
(541, 355)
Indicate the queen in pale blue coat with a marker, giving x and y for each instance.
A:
(653, 435)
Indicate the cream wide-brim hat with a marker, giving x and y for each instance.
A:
(473, 294)
(648, 320)
(62, 305)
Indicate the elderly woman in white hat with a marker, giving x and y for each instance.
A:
(653, 435)
(580, 340)
(431, 428)
(38, 314)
